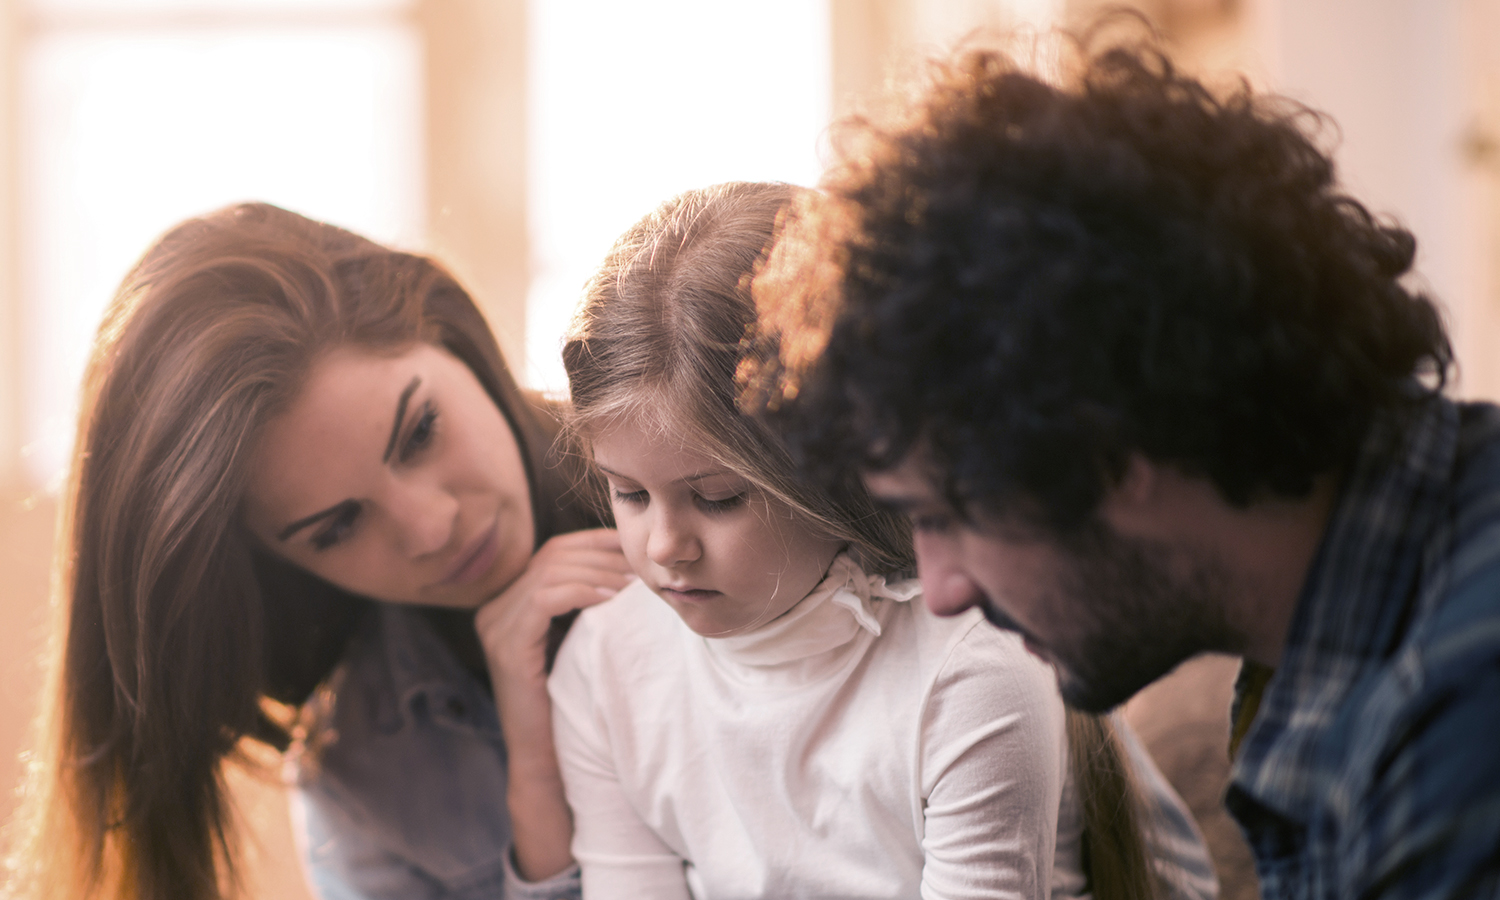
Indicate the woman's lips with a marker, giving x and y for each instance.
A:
(476, 560)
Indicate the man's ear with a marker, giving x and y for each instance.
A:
(1141, 479)
(1136, 495)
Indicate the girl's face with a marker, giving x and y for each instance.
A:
(727, 557)
(396, 477)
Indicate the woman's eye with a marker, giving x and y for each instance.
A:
(421, 433)
(340, 524)
(720, 504)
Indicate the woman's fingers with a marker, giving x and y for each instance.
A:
(568, 565)
(564, 598)
(592, 538)
(569, 572)
(530, 614)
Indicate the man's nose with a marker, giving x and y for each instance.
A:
(946, 589)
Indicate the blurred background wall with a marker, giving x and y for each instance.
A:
(515, 139)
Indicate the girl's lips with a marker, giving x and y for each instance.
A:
(691, 594)
(476, 560)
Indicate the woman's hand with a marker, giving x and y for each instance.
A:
(570, 571)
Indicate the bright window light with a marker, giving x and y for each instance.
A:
(128, 130)
(232, 7)
(633, 102)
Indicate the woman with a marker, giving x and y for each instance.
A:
(302, 461)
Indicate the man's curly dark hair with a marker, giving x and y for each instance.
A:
(1029, 281)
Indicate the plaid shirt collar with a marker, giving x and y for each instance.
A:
(1362, 590)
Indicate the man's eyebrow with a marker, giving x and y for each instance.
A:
(896, 503)
(304, 522)
(411, 387)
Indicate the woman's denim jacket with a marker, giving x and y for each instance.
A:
(400, 783)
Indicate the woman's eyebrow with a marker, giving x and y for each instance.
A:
(411, 387)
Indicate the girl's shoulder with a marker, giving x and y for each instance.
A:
(630, 628)
(633, 609)
(964, 648)
(965, 633)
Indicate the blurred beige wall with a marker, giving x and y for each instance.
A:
(476, 155)
(1412, 85)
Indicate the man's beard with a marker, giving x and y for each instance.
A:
(1140, 616)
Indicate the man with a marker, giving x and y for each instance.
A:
(1148, 385)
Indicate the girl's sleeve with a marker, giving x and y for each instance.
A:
(619, 854)
(992, 756)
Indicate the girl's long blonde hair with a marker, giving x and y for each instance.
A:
(662, 332)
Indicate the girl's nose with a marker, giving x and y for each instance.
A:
(670, 543)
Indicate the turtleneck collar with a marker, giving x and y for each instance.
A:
(840, 609)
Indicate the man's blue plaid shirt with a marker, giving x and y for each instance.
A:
(1372, 769)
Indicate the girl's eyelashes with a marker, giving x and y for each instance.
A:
(639, 497)
(721, 504)
(631, 497)
(338, 527)
(422, 432)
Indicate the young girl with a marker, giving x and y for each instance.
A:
(302, 462)
(770, 711)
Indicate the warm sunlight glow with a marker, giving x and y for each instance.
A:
(127, 131)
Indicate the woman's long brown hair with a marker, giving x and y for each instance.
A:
(172, 630)
(664, 327)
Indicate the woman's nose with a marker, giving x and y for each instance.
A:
(670, 542)
(424, 516)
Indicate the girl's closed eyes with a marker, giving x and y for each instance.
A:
(707, 501)
(684, 522)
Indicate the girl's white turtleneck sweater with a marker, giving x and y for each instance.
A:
(856, 747)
